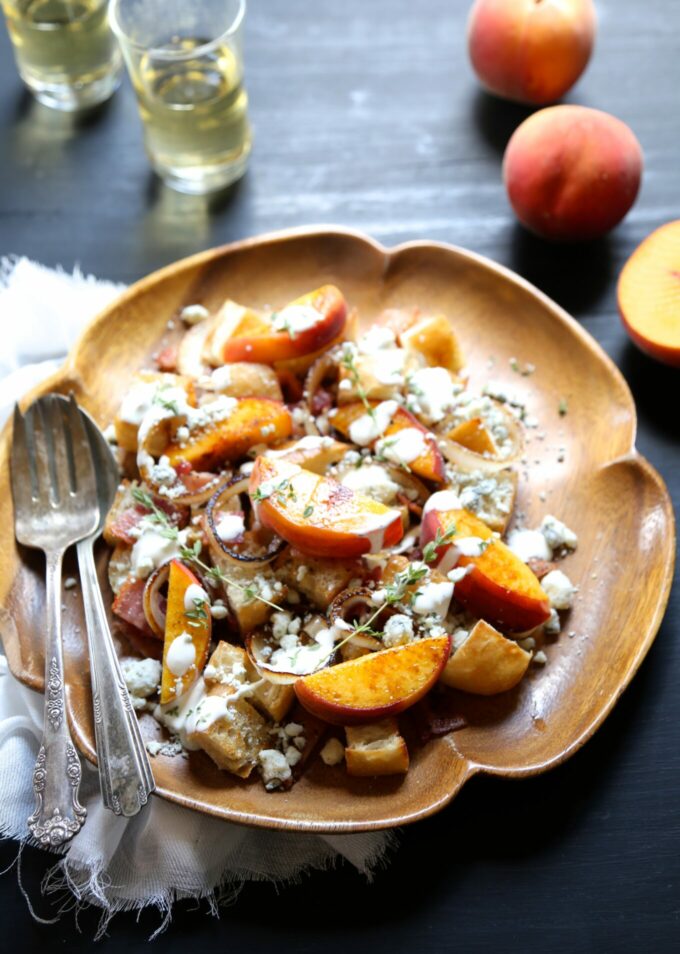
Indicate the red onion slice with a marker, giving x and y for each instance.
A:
(237, 487)
(155, 603)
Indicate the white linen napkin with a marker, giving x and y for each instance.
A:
(166, 852)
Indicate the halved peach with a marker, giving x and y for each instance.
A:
(253, 421)
(649, 294)
(374, 686)
(429, 465)
(258, 338)
(317, 514)
(500, 588)
(188, 626)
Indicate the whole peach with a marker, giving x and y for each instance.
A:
(571, 172)
(531, 51)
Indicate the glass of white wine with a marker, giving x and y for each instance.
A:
(65, 51)
(185, 60)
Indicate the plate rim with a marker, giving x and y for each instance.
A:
(467, 768)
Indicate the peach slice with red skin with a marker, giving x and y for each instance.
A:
(197, 626)
(500, 588)
(254, 338)
(253, 421)
(649, 294)
(377, 685)
(317, 514)
(429, 465)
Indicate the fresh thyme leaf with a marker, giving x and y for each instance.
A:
(562, 407)
(349, 363)
(214, 573)
(156, 515)
(430, 549)
(308, 511)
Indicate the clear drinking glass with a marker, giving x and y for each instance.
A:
(185, 60)
(65, 51)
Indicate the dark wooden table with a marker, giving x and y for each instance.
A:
(367, 114)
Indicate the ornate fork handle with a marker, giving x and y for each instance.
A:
(124, 771)
(58, 814)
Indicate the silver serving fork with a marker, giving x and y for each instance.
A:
(124, 772)
(55, 506)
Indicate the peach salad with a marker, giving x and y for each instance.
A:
(308, 540)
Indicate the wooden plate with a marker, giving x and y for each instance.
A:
(585, 463)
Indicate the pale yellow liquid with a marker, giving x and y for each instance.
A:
(195, 112)
(61, 41)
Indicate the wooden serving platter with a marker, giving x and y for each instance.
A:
(583, 463)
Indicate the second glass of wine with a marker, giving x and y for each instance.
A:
(185, 60)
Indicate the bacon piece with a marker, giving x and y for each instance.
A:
(166, 359)
(432, 720)
(322, 401)
(541, 568)
(126, 515)
(129, 606)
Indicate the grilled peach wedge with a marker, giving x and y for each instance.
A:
(317, 514)
(253, 421)
(188, 627)
(305, 325)
(499, 588)
(393, 447)
(374, 686)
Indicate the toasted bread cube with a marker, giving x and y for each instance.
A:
(242, 379)
(376, 749)
(491, 497)
(120, 567)
(486, 663)
(249, 613)
(434, 338)
(234, 741)
(269, 697)
(377, 379)
(226, 667)
(126, 431)
(230, 664)
(317, 578)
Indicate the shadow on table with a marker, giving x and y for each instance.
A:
(497, 119)
(657, 405)
(575, 275)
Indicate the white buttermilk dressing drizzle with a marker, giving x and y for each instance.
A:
(152, 549)
(369, 427)
(181, 655)
(433, 599)
(442, 502)
(388, 366)
(372, 480)
(230, 526)
(376, 340)
(403, 447)
(296, 318)
(434, 393)
(221, 378)
(195, 594)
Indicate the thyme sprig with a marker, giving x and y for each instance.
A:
(440, 540)
(348, 362)
(216, 575)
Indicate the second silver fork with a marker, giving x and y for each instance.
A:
(55, 505)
